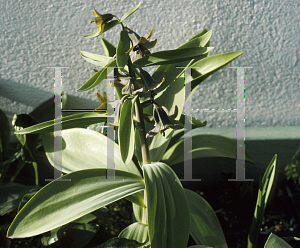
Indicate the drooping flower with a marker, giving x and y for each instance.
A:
(103, 100)
(163, 120)
(148, 82)
(101, 20)
(140, 45)
(117, 105)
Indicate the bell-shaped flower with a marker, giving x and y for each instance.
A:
(116, 115)
(140, 45)
(103, 100)
(163, 120)
(101, 20)
(148, 82)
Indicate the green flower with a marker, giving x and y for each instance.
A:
(103, 100)
(163, 120)
(148, 82)
(144, 84)
(140, 45)
(117, 105)
(101, 20)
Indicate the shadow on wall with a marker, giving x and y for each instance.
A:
(16, 98)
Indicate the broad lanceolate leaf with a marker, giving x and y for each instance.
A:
(209, 66)
(126, 130)
(108, 48)
(130, 12)
(61, 202)
(138, 213)
(71, 121)
(168, 208)
(199, 34)
(28, 142)
(135, 231)
(171, 56)
(97, 78)
(95, 59)
(275, 242)
(160, 143)
(107, 26)
(205, 226)
(169, 94)
(137, 145)
(123, 47)
(179, 133)
(85, 149)
(204, 146)
(265, 186)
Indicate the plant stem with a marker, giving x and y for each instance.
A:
(143, 141)
(144, 148)
(142, 132)
(19, 168)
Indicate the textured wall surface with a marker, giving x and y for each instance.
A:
(36, 34)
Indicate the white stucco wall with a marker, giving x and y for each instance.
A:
(36, 34)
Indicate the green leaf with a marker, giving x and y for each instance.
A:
(265, 186)
(159, 143)
(205, 226)
(28, 142)
(12, 194)
(61, 202)
(169, 94)
(171, 56)
(123, 47)
(137, 198)
(168, 208)
(95, 59)
(137, 145)
(71, 121)
(4, 133)
(20, 122)
(25, 199)
(135, 231)
(45, 111)
(97, 78)
(203, 146)
(107, 26)
(138, 213)
(275, 242)
(199, 34)
(130, 12)
(208, 66)
(179, 133)
(109, 49)
(126, 130)
(85, 149)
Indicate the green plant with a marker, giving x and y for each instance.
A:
(165, 213)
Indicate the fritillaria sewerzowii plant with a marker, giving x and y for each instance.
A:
(149, 115)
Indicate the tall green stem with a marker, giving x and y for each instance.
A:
(142, 132)
(144, 148)
(142, 135)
